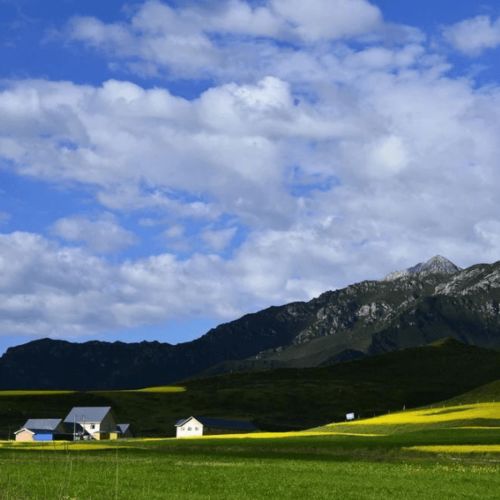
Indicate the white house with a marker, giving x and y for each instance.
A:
(91, 422)
(202, 426)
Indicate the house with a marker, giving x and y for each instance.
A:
(91, 422)
(202, 426)
(40, 429)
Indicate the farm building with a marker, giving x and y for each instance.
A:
(123, 430)
(40, 429)
(203, 426)
(95, 422)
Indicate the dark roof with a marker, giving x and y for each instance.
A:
(42, 424)
(123, 428)
(87, 414)
(219, 423)
(182, 421)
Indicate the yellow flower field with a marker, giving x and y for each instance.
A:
(490, 411)
(160, 389)
(273, 435)
(34, 393)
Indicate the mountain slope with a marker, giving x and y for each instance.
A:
(425, 303)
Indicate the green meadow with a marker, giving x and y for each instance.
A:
(320, 466)
(450, 450)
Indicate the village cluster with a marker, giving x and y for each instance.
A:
(99, 422)
(81, 423)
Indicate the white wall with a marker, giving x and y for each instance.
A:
(108, 424)
(191, 428)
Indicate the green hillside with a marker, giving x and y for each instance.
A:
(483, 394)
(281, 399)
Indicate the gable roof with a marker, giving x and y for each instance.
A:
(87, 414)
(123, 428)
(182, 421)
(219, 423)
(42, 424)
(24, 429)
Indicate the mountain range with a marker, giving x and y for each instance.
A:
(415, 307)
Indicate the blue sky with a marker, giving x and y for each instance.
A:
(168, 166)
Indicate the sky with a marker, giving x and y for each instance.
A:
(166, 166)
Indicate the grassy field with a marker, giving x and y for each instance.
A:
(322, 466)
(449, 451)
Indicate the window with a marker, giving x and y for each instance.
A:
(92, 426)
(189, 428)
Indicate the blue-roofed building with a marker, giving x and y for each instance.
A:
(202, 426)
(40, 429)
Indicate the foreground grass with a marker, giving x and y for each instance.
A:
(317, 467)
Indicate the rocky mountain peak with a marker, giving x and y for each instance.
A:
(436, 265)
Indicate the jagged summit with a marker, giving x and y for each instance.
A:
(436, 265)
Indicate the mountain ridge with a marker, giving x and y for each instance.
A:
(363, 319)
(435, 265)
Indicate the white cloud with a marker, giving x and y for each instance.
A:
(473, 36)
(218, 239)
(387, 157)
(489, 232)
(102, 234)
(179, 42)
(175, 231)
(224, 148)
(328, 19)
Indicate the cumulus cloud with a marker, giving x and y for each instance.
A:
(327, 19)
(102, 234)
(475, 35)
(218, 239)
(225, 148)
(192, 40)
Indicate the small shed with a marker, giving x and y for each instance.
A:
(123, 431)
(40, 429)
(203, 426)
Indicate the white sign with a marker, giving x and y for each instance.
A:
(350, 416)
